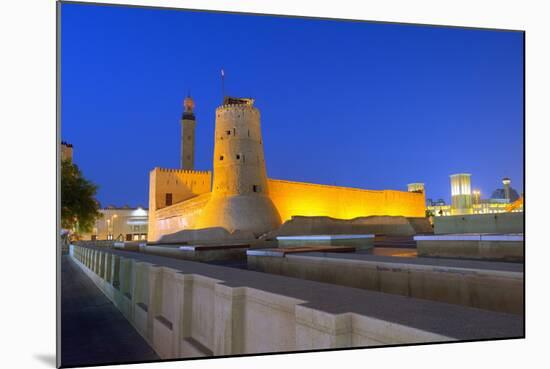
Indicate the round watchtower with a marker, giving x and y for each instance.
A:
(240, 199)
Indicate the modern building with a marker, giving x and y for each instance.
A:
(506, 194)
(438, 207)
(122, 224)
(239, 196)
(502, 200)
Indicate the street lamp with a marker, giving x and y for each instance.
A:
(113, 225)
(108, 228)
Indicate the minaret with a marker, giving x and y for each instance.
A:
(240, 199)
(188, 134)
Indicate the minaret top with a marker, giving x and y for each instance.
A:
(188, 107)
(189, 104)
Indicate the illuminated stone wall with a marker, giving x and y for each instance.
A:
(308, 199)
(183, 215)
(290, 198)
(181, 184)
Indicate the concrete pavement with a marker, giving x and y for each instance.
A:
(93, 329)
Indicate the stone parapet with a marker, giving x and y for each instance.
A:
(189, 309)
(486, 285)
(504, 247)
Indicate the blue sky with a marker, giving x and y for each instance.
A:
(357, 104)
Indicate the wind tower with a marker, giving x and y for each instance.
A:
(188, 123)
(239, 199)
(461, 194)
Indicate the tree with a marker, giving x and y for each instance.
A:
(79, 208)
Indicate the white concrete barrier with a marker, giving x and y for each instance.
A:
(185, 309)
(359, 241)
(481, 284)
(506, 247)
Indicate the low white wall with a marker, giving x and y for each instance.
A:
(465, 284)
(503, 247)
(480, 223)
(191, 315)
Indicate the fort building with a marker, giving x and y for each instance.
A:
(66, 151)
(239, 196)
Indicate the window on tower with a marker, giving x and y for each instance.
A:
(168, 199)
(221, 157)
(228, 132)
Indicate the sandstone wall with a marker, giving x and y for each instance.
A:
(320, 202)
(308, 199)
(183, 185)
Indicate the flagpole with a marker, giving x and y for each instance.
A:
(223, 85)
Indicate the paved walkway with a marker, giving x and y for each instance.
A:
(93, 330)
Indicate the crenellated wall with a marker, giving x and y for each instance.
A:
(181, 184)
(309, 199)
(290, 198)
